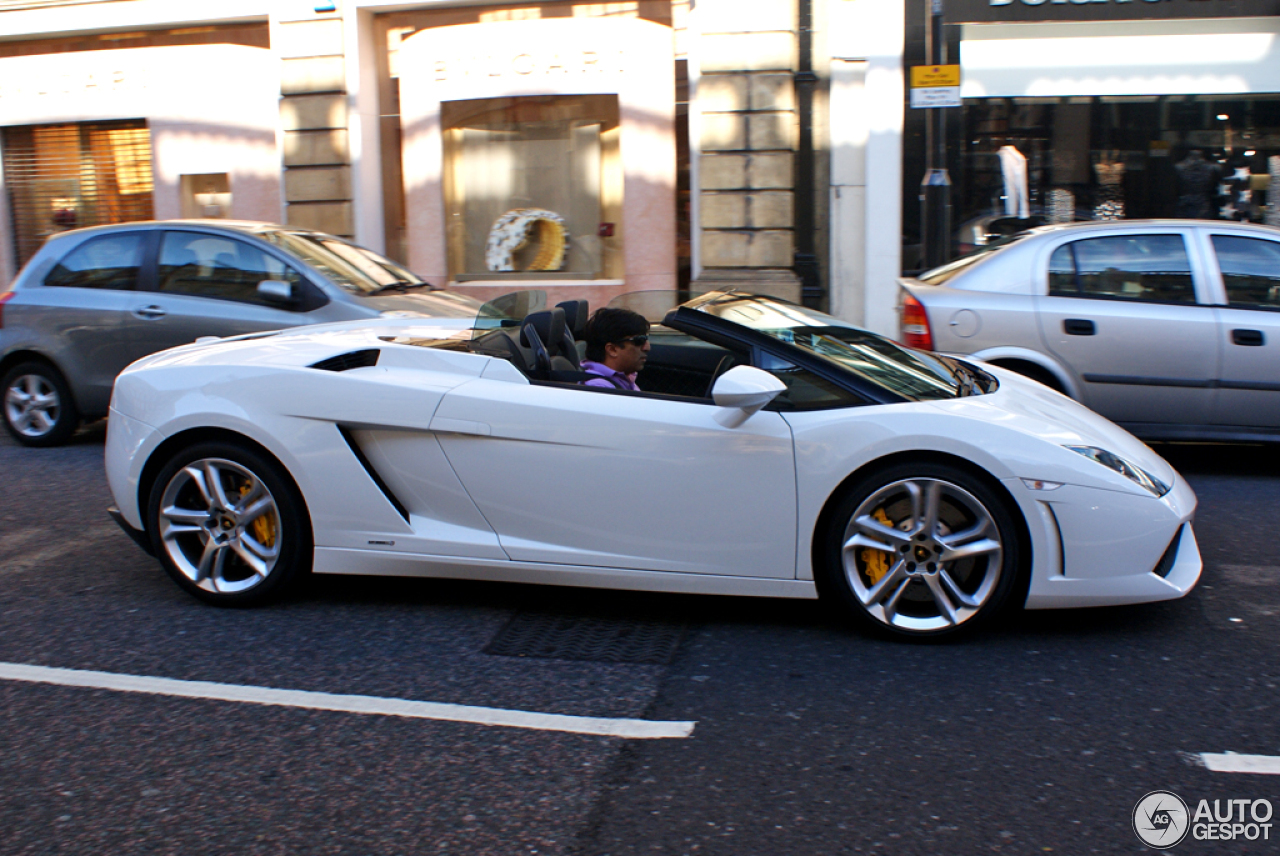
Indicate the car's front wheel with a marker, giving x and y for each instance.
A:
(38, 410)
(921, 551)
(229, 525)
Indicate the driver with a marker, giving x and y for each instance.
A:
(617, 347)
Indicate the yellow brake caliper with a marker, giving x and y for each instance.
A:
(264, 527)
(876, 562)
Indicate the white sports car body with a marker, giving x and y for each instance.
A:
(774, 451)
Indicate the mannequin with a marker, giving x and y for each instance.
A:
(1196, 178)
(1237, 190)
(1013, 166)
(1110, 196)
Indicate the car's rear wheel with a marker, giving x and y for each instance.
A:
(229, 525)
(38, 410)
(921, 551)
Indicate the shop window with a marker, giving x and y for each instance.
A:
(206, 195)
(533, 188)
(62, 177)
(1250, 270)
(1152, 268)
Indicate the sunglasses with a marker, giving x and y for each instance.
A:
(638, 341)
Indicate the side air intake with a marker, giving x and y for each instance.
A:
(352, 360)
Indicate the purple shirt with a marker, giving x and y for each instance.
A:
(609, 378)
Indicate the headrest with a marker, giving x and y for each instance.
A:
(548, 324)
(575, 316)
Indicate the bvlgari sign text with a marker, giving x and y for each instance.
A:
(527, 63)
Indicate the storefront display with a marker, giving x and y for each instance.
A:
(540, 152)
(526, 186)
(1135, 110)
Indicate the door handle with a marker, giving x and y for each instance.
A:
(1248, 337)
(1078, 327)
(149, 312)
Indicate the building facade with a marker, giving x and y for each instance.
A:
(595, 148)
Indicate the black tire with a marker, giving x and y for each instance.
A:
(900, 571)
(1036, 373)
(242, 543)
(37, 404)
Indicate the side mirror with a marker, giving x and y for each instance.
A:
(277, 291)
(746, 390)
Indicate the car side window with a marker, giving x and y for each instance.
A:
(214, 266)
(107, 261)
(1151, 268)
(805, 390)
(1250, 270)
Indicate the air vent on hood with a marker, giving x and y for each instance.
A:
(352, 360)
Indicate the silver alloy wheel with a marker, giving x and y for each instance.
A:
(922, 554)
(220, 526)
(32, 405)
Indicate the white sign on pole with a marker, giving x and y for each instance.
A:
(936, 96)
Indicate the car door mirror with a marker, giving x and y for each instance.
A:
(277, 291)
(745, 390)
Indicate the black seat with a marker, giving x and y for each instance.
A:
(575, 322)
(575, 317)
(552, 332)
(542, 348)
(554, 354)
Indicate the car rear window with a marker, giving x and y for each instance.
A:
(939, 275)
(107, 261)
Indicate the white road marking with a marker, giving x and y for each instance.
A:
(1230, 762)
(632, 729)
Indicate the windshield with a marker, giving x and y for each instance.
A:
(508, 311)
(353, 268)
(914, 375)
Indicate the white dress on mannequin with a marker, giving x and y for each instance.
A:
(1013, 166)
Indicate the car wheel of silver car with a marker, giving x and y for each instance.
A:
(38, 410)
(921, 551)
(229, 525)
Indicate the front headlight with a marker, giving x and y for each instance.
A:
(1131, 471)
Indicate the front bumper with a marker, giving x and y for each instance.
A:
(1114, 548)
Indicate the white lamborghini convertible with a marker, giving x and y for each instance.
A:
(774, 451)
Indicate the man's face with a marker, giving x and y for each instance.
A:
(628, 356)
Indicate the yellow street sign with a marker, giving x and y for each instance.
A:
(929, 76)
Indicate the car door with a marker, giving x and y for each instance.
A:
(1122, 312)
(78, 313)
(1249, 331)
(584, 476)
(206, 284)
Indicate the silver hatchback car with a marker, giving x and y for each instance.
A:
(1169, 327)
(91, 301)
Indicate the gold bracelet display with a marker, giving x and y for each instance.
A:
(511, 231)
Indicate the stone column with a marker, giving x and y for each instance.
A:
(313, 118)
(746, 56)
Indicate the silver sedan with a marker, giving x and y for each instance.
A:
(1169, 327)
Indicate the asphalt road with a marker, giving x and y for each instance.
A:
(810, 738)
